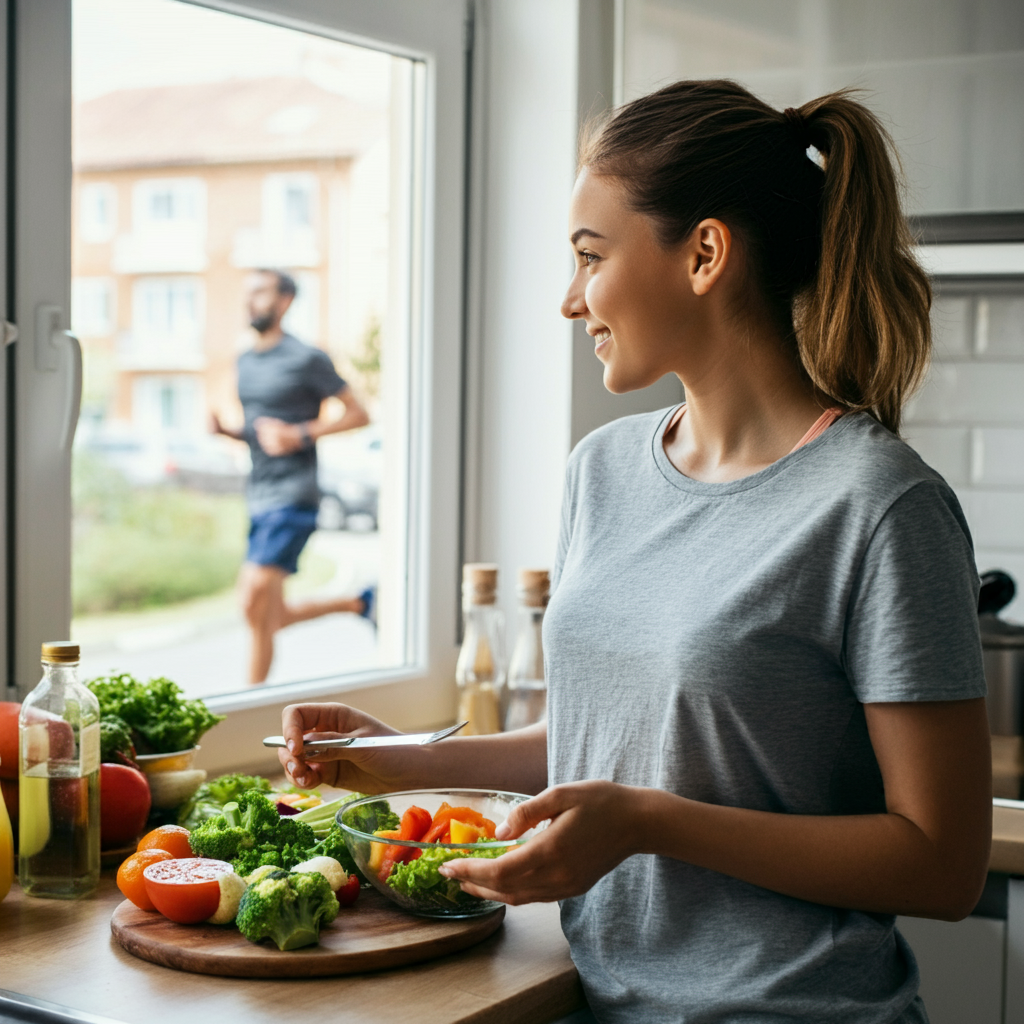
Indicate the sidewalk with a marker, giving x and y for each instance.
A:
(203, 645)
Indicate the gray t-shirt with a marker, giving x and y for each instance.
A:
(287, 382)
(718, 641)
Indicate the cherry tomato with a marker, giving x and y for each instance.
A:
(130, 880)
(172, 838)
(185, 891)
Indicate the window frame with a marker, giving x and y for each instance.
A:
(432, 33)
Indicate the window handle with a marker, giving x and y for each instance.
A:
(73, 404)
(49, 340)
(10, 333)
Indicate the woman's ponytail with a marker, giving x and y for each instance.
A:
(862, 327)
(830, 249)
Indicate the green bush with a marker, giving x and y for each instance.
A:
(137, 548)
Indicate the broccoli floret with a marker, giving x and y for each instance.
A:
(371, 817)
(209, 799)
(288, 908)
(258, 814)
(222, 837)
(115, 740)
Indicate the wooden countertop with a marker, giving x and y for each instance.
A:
(63, 952)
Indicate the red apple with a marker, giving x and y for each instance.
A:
(124, 804)
(9, 739)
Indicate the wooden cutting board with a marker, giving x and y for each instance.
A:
(371, 935)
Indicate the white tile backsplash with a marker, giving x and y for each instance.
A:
(951, 326)
(1001, 462)
(968, 421)
(974, 393)
(1004, 321)
(995, 517)
(945, 449)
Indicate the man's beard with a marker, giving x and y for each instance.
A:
(262, 324)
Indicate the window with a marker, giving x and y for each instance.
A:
(176, 201)
(289, 218)
(303, 316)
(189, 204)
(92, 306)
(168, 405)
(97, 212)
(167, 310)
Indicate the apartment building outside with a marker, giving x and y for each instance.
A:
(178, 192)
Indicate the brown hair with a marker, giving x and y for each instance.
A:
(828, 244)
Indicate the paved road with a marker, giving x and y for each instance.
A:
(207, 654)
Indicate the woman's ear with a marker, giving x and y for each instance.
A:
(709, 254)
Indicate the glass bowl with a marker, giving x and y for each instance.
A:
(421, 890)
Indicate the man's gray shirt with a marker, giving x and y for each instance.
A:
(718, 641)
(287, 382)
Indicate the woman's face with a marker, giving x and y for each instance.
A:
(636, 297)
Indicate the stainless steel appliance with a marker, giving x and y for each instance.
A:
(1003, 647)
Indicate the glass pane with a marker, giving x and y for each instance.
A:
(209, 149)
(947, 76)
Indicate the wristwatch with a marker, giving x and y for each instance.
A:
(307, 440)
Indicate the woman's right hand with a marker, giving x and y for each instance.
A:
(365, 770)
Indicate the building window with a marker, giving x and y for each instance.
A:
(167, 309)
(303, 316)
(167, 404)
(169, 201)
(92, 306)
(97, 212)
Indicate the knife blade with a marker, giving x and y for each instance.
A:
(408, 739)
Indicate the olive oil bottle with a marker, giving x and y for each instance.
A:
(480, 671)
(59, 780)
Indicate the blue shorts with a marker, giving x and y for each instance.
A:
(277, 536)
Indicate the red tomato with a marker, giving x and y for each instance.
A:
(124, 804)
(186, 891)
(9, 739)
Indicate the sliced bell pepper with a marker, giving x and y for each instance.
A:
(378, 850)
(414, 824)
(462, 832)
(441, 823)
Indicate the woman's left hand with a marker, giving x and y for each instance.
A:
(593, 828)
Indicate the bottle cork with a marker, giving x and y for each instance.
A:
(534, 587)
(479, 583)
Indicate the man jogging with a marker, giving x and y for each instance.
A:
(281, 384)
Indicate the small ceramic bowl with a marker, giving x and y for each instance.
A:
(177, 761)
(417, 887)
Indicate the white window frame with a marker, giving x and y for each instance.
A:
(432, 32)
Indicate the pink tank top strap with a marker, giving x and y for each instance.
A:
(820, 425)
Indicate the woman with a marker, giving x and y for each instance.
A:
(767, 733)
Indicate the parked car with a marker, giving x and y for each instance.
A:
(198, 461)
(349, 476)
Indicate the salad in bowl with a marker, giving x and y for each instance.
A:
(399, 841)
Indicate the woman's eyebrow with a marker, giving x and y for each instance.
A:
(580, 232)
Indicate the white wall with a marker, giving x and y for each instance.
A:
(537, 389)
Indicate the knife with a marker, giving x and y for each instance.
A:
(407, 739)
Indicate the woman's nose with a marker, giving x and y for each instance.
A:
(574, 305)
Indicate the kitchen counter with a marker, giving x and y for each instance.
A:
(63, 952)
